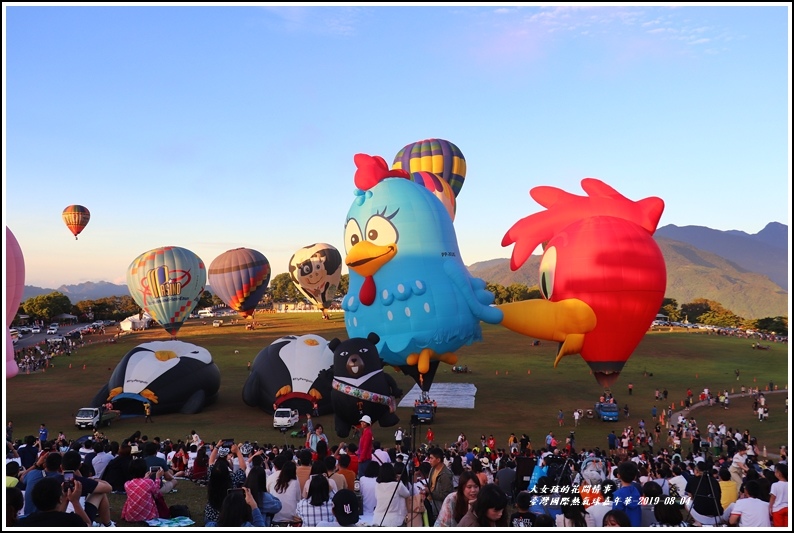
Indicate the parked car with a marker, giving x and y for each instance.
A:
(35, 329)
(217, 323)
(23, 330)
(52, 330)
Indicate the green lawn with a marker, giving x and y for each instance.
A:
(518, 389)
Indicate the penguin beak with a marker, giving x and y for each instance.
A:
(366, 258)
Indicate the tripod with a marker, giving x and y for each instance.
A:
(718, 520)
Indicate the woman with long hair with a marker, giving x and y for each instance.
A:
(574, 514)
(457, 469)
(367, 487)
(318, 469)
(488, 509)
(288, 491)
(218, 484)
(390, 494)
(239, 509)
(200, 469)
(179, 460)
(458, 503)
(256, 482)
(317, 506)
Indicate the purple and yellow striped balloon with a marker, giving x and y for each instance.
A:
(438, 156)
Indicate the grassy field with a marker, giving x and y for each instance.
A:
(518, 389)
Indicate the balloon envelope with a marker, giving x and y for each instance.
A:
(239, 277)
(15, 286)
(167, 283)
(76, 218)
(440, 189)
(316, 270)
(434, 155)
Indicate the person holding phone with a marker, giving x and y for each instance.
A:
(150, 450)
(239, 509)
(141, 491)
(51, 499)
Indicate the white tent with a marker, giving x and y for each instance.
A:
(133, 323)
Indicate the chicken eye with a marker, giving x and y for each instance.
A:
(381, 231)
(548, 264)
(352, 234)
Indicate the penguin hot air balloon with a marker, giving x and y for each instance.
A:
(602, 275)
(76, 218)
(294, 372)
(171, 376)
(408, 283)
(15, 287)
(239, 277)
(167, 283)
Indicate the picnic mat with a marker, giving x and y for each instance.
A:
(179, 521)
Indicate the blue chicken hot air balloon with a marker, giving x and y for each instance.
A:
(408, 282)
(167, 283)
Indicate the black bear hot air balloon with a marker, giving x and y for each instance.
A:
(76, 218)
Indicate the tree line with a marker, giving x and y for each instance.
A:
(282, 289)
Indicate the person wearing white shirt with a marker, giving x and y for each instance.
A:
(750, 511)
(778, 497)
(390, 494)
(379, 455)
(102, 459)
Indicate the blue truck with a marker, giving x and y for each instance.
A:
(607, 412)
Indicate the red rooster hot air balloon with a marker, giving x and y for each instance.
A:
(76, 218)
(239, 277)
(602, 275)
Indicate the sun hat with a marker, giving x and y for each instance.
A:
(485, 461)
(366, 419)
(346, 507)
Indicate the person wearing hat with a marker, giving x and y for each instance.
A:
(345, 510)
(365, 444)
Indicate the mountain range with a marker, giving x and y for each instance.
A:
(747, 274)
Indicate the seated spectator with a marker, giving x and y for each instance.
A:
(141, 491)
(117, 472)
(239, 509)
(51, 501)
(256, 482)
(97, 505)
(15, 501)
(316, 507)
(345, 510)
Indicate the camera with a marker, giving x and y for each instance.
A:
(154, 469)
(232, 491)
(68, 480)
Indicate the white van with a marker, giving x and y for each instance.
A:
(206, 313)
(285, 418)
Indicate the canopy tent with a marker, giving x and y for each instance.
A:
(134, 323)
(65, 317)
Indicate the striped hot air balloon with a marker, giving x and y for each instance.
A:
(440, 189)
(76, 218)
(434, 155)
(239, 277)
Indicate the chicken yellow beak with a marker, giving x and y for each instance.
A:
(366, 258)
(566, 322)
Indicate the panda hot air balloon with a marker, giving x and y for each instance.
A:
(239, 277)
(167, 283)
(76, 218)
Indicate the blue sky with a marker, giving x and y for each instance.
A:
(213, 128)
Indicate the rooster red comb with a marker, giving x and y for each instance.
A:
(372, 169)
